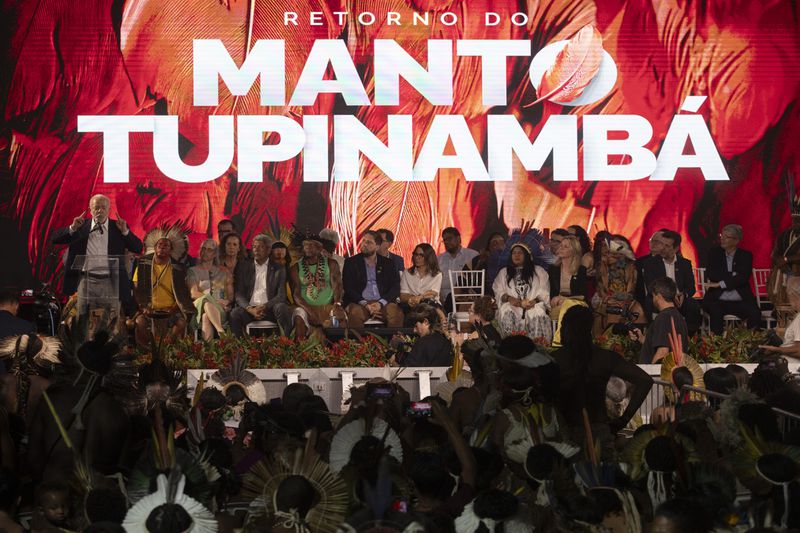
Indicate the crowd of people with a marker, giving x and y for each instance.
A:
(517, 439)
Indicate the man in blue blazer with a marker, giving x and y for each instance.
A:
(98, 236)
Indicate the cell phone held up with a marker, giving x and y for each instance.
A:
(380, 391)
(419, 409)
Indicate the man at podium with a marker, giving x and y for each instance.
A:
(98, 236)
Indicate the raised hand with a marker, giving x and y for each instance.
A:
(121, 224)
(77, 222)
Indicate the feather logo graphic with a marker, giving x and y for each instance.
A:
(573, 72)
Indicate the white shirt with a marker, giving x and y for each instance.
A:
(539, 288)
(792, 334)
(447, 263)
(670, 268)
(98, 240)
(416, 285)
(259, 296)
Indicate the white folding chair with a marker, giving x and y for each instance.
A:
(466, 286)
(760, 281)
(266, 325)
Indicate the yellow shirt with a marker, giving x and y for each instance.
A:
(162, 296)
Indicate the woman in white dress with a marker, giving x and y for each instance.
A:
(522, 289)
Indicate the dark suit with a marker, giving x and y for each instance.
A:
(387, 278)
(117, 244)
(12, 326)
(653, 268)
(244, 279)
(737, 279)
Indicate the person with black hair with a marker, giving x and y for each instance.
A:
(10, 323)
(105, 504)
(655, 343)
(52, 507)
(385, 249)
(669, 263)
(224, 227)
(295, 497)
(584, 370)
(432, 348)
(719, 380)
(455, 257)
(522, 290)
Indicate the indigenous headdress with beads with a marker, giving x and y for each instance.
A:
(169, 503)
(236, 375)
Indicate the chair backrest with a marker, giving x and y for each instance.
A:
(467, 286)
(700, 280)
(760, 281)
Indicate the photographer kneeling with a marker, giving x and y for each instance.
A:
(655, 343)
(432, 348)
(791, 336)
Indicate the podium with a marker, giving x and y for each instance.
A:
(98, 303)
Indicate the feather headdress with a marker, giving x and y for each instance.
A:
(39, 349)
(348, 436)
(675, 359)
(533, 242)
(169, 493)
(176, 234)
(236, 375)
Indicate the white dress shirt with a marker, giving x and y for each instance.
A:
(98, 239)
(447, 263)
(417, 285)
(670, 268)
(259, 296)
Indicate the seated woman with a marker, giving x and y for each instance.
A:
(432, 348)
(567, 276)
(211, 289)
(587, 257)
(616, 282)
(791, 335)
(230, 252)
(422, 281)
(522, 290)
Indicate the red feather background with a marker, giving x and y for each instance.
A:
(63, 58)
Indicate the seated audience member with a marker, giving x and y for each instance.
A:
(432, 348)
(10, 323)
(160, 287)
(330, 235)
(489, 260)
(371, 285)
(316, 284)
(224, 227)
(654, 246)
(655, 343)
(453, 259)
(279, 253)
(260, 289)
(676, 267)
(186, 260)
(584, 371)
(231, 252)
(212, 291)
(522, 290)
(567, 275)
(616, 283)
(385, 247)
(728, 292)
(556, 236)
(791, 337)
(422, 281)
(482, 314)
(587, 259)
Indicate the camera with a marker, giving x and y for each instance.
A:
(382, 391)
(772, 340)
(419, 409)
(628, 317)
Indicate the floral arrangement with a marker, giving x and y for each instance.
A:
(733, 346)
(274, 352)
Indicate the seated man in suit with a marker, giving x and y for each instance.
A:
(259, 286)
(667, 263)
(728, 271)
(160, 286)
(100, 236)
(316, 283)
(371, 285)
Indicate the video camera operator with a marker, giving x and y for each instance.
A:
(655, 343)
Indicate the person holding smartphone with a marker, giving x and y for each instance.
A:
(432, 348)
